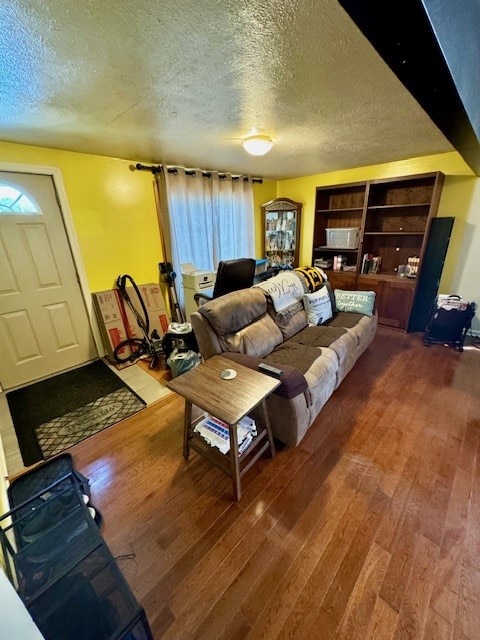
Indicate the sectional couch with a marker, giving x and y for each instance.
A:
(253, 325)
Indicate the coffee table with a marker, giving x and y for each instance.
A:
(229, 401)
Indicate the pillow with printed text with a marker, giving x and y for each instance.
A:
(318, 306)
(355, 301)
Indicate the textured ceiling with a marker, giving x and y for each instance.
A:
(183, 82)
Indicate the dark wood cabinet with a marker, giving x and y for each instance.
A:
(393, 300)
(373, 236)
(342, 280)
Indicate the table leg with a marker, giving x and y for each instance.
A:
(268, 427)
(235, 462)
(187, 426)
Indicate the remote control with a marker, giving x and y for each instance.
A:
(271, 371)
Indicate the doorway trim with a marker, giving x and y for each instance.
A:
(67, 218)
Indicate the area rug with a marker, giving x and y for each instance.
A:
(53, 415)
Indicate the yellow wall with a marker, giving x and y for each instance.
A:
(455, 201)
(113, 210)
(114, 214)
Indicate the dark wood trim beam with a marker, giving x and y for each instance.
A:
(403, 36)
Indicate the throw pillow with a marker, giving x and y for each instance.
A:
(356, 301)
(318, 306)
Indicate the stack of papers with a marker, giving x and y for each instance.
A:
(449, 302)
(216, 433)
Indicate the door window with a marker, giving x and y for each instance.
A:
(13, 201)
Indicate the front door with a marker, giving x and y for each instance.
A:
(44, 326)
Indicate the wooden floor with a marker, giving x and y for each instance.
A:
(369, 529)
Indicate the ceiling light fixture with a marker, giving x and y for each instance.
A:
(257, 145)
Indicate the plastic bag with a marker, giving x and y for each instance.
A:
(182, 361)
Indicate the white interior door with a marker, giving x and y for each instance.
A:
(44, 325)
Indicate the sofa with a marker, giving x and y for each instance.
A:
(269, 323)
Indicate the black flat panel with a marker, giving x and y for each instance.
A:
(429, 279)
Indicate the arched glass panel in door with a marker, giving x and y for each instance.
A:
(13, 201)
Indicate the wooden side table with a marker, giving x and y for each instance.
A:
(229, 401)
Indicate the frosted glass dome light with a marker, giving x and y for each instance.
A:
(257, 145)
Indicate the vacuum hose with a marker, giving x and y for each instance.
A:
(137, 347)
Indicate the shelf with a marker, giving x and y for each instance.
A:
(335, 249)
(222, 461)
(204, 445)
(340, 271)
(388, 277)
(339, 210)
(394, 233)
(55, 554)
(398, 206)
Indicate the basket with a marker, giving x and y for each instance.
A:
(346, 238)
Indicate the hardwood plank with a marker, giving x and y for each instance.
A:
(236, 629)
(447, 583)
(414, 608)
(360, 607)
(403, 550)
(437, 628)
(433, 525)
(393, 516)
(349, 572)
(468, 612)
(472, 544)
(383, 622)
(445, 593)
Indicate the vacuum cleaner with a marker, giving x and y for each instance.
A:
(151, 344)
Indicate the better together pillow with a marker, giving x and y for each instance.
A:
(318, 306)
(355, 301)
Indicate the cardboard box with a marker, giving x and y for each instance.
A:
(111, 320)
(118, 322)
(156, 309)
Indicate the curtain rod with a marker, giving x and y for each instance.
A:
(158, 168)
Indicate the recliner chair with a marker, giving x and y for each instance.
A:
(232, 275)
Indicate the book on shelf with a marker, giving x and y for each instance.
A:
(371, 264)
(216, 433)
(339, 262)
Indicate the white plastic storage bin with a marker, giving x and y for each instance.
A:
(346, 238)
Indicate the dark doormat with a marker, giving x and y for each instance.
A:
(55, 414)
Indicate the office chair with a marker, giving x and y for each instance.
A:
(232, 275)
